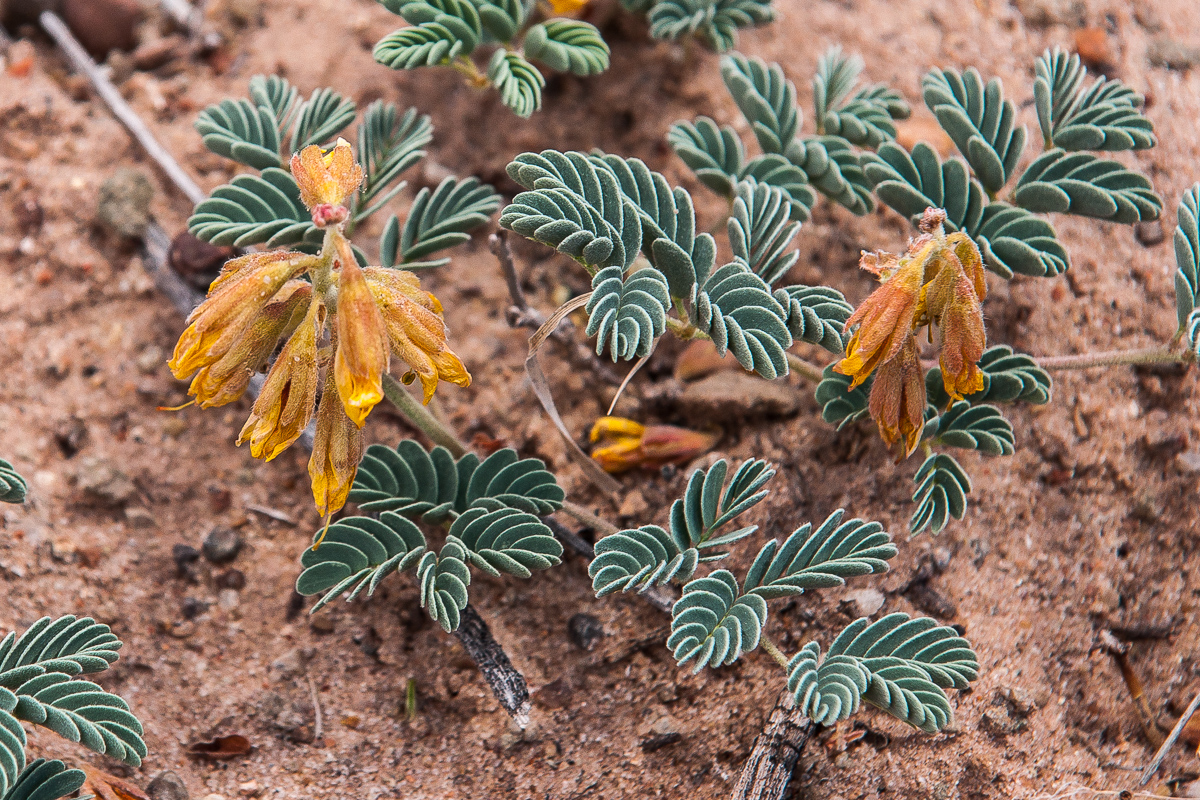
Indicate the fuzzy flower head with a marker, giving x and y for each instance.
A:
(938, 283)
(326, 180)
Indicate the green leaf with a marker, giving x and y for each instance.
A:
(45, 780)
(428, 45)
(1104, 117)
(242, 131)
(443, 218)
(519, 82)
(503, 18)
(283, 100)
(819, 559)
(12, 485)
(703, 510)
(736, 309)
(80, 711)
(255, 209)
(627, 313)
(712, 625)
(1013, 240)
(979, 121)
(356, 554)
(506, 540)
(973, 427)
(460, 18)
(640, 558)
(900, 665)
(815, 314)
(775, 170)
(942, 489)
(835, 171)
(576, 205)
(431, 485)
(864, 119)
(1080, 183)
(713, 152)
(321, 118)
(766, 99)
(12, 743)
(714, 22)
(1187, 260)
(1008, 377)
(567, 45)
(67, 644)
(388, 144)
(840, 404)
(761, 230)
(444, 579)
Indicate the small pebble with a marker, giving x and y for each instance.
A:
(103, 25)
(151, 359)
(221, 545)
(197, 261)
(233, 579)
(1149, 233)
(102, 483)
(185, 557)
(166, 785)
(584, 631)
(124, 205)
(321, 623)
(138, 517)
(193, 607)
(864, 602)
(1172, 54)
(1092, 46)
(228, 599)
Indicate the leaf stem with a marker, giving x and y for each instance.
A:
(421, 417)
(1147, 355)
(805, 369)
(773, 651)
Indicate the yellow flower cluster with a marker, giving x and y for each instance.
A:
(368, 314)
(938, 283)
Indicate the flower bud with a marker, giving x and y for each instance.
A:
(627, 444)
(362, 345)
(326, 179)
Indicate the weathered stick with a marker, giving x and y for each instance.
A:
(1170, 741)
(507, 684)
(124, 112)
(775, 753)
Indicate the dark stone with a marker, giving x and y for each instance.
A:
(197, 261)
(185, 556)
(221, 545)
(193, 607)
(166, 785)
(232, 579)
(103, 25)
(1149, 233)
(584, 631)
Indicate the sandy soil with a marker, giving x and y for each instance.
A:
(1088, 526)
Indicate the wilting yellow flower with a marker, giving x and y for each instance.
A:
(415, 328)
(337, 449)
(897, 402)
(568, 6)
(226, 380)
(939, 282)
(362, 345)
(628, 444)
(285, 404)
(326, 178)
(236, 302)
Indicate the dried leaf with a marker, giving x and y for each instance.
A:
(221, 747)
(109, 787)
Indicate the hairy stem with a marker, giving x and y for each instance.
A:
(773, 651)
(805, 369)
(1112, 358)
(420, 417)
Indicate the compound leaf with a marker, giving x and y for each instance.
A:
(567, 45)
(242, 131)
(440, 219)
(766, 99)
(44, 780)
(942, 489)
(761, 229)
(519, 82)
(979, 121)
(815, 314)
(713, 152)
(973, 427)
(506, 540)
(255, 209)
(736, 309)
(444, 579)
(1104, 117)
(80, 711)
(703, 509)
(321, 118)
(711, 624)
(841, 405)
(640, 558)
(627, 313)
(12, 486)
(388, 144)
(1008, 377)
(1187, 273)
(356, 553)
(1081, 183)
(68, 645)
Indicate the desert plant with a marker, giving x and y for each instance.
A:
(898, 664)
(448, 33)
(39, 685)
(713, 22)
(12, 485)
(370, 312)
(492, 508)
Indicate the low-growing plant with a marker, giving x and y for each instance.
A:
(39, 684)
(713, 22)
(449, 33)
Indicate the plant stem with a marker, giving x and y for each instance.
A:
(420, 417)
(773, 651)
(589, 519)
(805, 369)
(1148, 355)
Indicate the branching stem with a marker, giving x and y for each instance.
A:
(1112, 358)
(421, 417)
(805, 369)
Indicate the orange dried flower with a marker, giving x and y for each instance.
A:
(627, 444)
(362, 345)
(337, 449)
(939, 282)
(326, 179)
